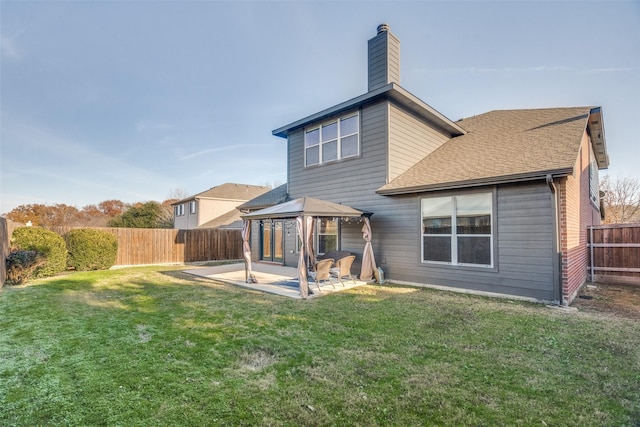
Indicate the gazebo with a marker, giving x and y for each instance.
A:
(305, 211)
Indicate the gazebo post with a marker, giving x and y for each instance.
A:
(302, 259)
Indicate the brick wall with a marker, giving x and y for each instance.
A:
(577, 213)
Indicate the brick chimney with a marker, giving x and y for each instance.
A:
(384, 58)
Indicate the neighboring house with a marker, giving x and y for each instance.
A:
(498, 203)
(215, 207)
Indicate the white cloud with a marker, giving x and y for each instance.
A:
(609, 70)
(46, 165)
(9, 49)
(218, 149)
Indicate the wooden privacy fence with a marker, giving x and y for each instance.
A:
(139, 246)
(615, 253)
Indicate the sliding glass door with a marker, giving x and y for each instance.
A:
(271, 238)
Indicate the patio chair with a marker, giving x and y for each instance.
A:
(320, 272)
(343, 268)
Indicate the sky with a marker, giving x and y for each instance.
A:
(140, 100)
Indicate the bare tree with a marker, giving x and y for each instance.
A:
(621, 199)
(177, 193)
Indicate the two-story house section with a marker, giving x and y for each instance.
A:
(214, 207)
(498, 203)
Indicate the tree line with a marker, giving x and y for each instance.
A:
(108, 213)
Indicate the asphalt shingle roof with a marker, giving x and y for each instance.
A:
(223, 220)
(499, 145)
(229, 190)
(270, 198)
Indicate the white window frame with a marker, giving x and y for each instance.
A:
(192, 207)
(454, 232)
(318, 234)
(338, 140)
(594, 184)
(179, 210)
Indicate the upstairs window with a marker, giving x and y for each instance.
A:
(457, 230)
(332, 141)
(192, 207)
(178, 210)
(594, 184)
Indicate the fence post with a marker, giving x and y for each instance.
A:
(591, 248)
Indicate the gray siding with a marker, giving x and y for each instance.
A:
(384, 60)
(349, 180)
(523, 252)
(410, 140)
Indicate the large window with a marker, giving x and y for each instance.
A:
(327, 235)
(457, 230)
(332, 141)
(594, 184)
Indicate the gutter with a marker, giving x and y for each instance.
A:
(557, 256)
(508, 179)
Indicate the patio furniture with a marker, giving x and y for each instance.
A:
(343, 268)
(321, 272)
(336, 255)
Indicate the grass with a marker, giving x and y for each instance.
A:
(153, 346)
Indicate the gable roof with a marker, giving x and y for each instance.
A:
(222, 220)
(270, 198)
(228, 191)
(390, 91)
(502, 146)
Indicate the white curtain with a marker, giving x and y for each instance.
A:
(368, 259)
(246, 252)
(302, 262)
(309, 238)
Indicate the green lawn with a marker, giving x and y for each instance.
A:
(153, 346)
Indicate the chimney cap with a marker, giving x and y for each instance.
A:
(383, 28)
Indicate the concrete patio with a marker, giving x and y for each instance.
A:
(274, 279)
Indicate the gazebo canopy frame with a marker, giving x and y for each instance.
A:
(305, 211)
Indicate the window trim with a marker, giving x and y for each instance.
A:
(179, 210)
(338, 139)
(193, 207)
(454, 234)
(594, 184)
(317, 234)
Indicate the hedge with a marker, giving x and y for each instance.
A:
(91, 249)
(46, 242)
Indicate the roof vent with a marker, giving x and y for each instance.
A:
(383, 28)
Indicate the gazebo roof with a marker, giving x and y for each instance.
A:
(306, 206)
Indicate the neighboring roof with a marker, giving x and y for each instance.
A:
(228, 191)
(235, 225)
(392, 91)
(224, 219)
(502, 146)
(270, 198)
(305, 206)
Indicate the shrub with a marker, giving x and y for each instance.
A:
(21, 264)
(46, 242)
(91, 249)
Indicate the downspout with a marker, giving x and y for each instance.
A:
(557, 258)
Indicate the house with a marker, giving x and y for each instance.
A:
(214, 207)
(497, 204)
